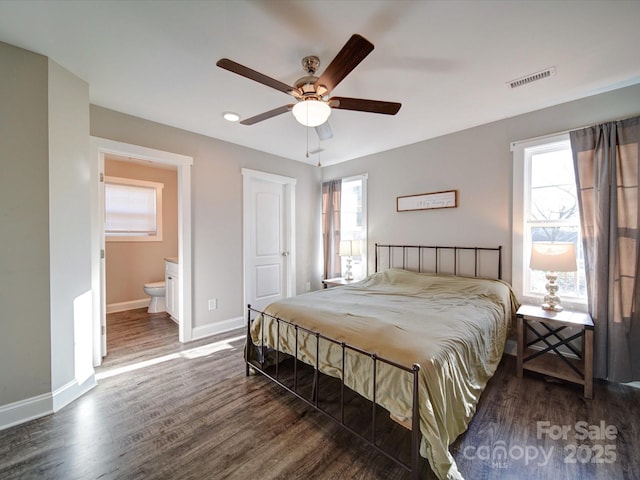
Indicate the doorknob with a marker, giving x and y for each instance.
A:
(285, 254)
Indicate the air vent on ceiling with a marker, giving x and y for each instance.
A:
(518, 82)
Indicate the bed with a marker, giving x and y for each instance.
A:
(419, 338)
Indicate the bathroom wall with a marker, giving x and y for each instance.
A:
(129, 265)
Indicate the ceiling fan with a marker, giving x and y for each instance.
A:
(314, 107)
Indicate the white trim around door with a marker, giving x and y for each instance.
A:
(99, 148)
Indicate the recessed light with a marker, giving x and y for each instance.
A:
(231, 116)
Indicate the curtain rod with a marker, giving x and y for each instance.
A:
(516, 143)
(348, 177)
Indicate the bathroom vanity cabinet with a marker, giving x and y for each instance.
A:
(172, 282)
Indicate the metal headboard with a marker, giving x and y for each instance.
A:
(468, 261)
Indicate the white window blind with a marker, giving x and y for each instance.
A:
(132, 209)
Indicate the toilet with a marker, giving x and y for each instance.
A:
(157, 291)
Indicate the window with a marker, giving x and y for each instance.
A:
(545, 209)
(353, 221)
(133, 210)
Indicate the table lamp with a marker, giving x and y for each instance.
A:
(349, 248)
(553, 257)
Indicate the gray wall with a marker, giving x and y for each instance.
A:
(478, 163)
(45, 232)
(217, 208)
(69, 222)
(24, 233)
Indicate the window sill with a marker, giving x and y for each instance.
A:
(157, 238)
(573, 304)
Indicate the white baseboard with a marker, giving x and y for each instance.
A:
(130, 305)
(66, 394)
(25, 410)
(216, 328)
(32, 408)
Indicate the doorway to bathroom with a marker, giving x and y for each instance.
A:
(141, 232)
(131, 263)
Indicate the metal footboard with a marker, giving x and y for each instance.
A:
(261, 365)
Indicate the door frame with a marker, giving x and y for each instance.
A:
(289, 215)
(99, 148)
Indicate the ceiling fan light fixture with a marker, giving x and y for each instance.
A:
(231, 116)
(312, 112)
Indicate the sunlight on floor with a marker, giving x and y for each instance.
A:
(192, 353)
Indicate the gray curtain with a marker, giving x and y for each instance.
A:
(331, 195)
(607, 176)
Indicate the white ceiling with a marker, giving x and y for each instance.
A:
(447, 62)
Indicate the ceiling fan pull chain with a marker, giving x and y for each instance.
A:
(307, 128)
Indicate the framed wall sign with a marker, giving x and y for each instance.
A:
(427, 201)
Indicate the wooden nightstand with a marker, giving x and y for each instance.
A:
(551, 360)
(336, 282)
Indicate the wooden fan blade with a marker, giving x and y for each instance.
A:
(264, 116)
(353, 52)
(253, 75)
(362, 105)
(324, 131)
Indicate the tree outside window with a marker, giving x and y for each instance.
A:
(552, 215)
(353, 221)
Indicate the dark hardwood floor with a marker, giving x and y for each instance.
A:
(164, 410)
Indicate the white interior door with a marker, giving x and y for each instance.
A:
(268, 238)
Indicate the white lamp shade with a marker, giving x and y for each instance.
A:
(311, 113)
(349, 248)
(553, 257)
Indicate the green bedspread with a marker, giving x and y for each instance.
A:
(455, 328)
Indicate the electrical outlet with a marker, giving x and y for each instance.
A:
(307, 286)
(213, 303)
